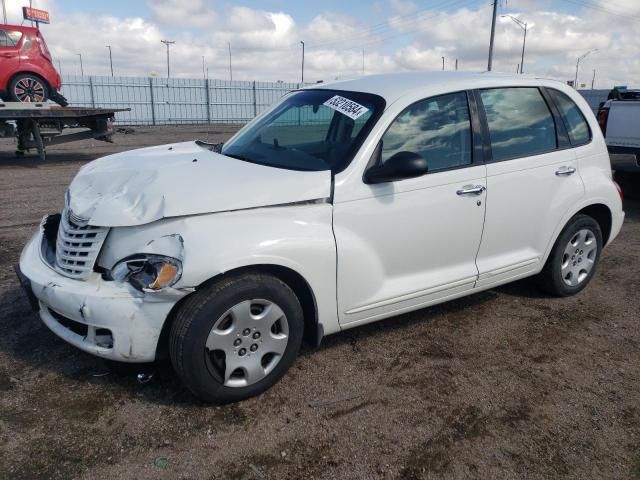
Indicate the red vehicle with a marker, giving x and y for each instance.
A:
(26, 71)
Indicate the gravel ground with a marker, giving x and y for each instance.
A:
(502, 384)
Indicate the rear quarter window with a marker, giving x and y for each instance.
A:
(577, 126)
(10, 38)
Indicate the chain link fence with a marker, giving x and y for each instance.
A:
(161, 101)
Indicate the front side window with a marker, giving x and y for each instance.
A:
(520, 122)
(438, 129)
(9, 38)
(309, 130)
(577, 126)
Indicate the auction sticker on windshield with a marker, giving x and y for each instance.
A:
(347, 107)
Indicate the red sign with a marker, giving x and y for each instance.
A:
(35, 15)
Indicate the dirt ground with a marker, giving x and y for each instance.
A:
(503, 384)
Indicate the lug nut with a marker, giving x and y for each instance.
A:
(242, 352)
(253, 347)
(256, 335)
(237, 342)
(246, 331)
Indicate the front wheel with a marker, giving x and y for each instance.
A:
(237, 337)
(28, 88)
(574, 257)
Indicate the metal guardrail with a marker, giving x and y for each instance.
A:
(161, 101)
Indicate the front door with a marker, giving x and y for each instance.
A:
(406, 244)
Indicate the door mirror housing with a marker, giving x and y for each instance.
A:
(400, 166)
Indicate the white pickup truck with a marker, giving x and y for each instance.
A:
(619, 119)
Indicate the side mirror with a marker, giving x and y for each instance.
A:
(400, 166)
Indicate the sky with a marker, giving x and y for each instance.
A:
(343, 39)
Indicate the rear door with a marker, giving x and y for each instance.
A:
(9, 52)
(532, 181)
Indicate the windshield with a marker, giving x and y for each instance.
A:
(309, 130)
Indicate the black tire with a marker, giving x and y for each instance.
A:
(551, 278)
(196, 365)
(34, 88)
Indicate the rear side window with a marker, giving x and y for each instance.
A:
(9, 38)
(438, 129)
(520, 122)
(577, 126)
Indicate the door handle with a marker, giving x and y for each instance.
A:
(7, 55)
(471, 190)
(565, 171)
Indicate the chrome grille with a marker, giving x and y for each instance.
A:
(77, 247)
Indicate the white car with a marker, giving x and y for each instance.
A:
(343, 204)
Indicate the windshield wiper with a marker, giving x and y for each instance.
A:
(214, 147)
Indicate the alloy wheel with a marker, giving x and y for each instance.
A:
(29, 89)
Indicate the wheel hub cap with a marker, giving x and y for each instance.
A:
(247, 342)
(579, 257)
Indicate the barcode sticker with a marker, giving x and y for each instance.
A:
(347, 107)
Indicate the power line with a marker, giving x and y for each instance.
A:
(458, 3)
(391, 24)
(619, 13)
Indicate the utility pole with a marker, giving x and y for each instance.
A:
(581, 57)
(81, 68)
(110, 59)
(168, 43)
(302, 81)
(204, 72)
(443, 64)
(456, 64)
(493, 33)
(230, 70)
(4, 12)
(522, 25)
(593, 79)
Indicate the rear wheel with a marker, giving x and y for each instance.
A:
(28, 88)
(574, 258)
(236, 338)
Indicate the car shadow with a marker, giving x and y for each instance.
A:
(28, 340)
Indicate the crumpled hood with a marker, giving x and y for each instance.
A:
(141, 186)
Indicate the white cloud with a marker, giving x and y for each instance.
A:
(183, 13)
(265, 44)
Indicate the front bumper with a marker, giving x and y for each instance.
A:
(101, 317)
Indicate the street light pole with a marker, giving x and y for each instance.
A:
(4, 12)
(493, 33)
(522, 25)
(81, 68)
(230, 70)
(581, 57)
(302, 81)
(110, 59)
(168, 43)
(443, 64)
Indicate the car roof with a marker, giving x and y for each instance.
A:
(392, 86)
(21, 28)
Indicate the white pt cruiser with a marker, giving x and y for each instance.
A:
(343, 204)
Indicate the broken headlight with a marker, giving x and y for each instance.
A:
(148, 272)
